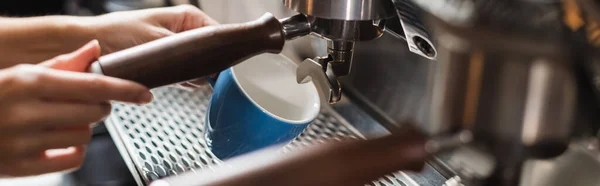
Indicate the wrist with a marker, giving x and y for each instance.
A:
(35, 39)
(74, 32)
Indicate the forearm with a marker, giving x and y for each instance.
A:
(32, 40)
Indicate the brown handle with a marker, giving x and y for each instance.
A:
(349, 163)
(192, 54)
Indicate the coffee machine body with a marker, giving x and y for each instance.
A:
(514, 73)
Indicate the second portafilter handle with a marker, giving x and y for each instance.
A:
(200, 52)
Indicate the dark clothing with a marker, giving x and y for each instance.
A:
(23, 8)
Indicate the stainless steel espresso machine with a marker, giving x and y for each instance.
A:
(518, 74)
(507, 88)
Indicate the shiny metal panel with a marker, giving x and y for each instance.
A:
(319, 72)
(351, 10)
(389, 81)
(340, 30)
(418, 37)
(295, 26)
(579, 166)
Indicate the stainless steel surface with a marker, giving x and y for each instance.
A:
(341, 30)
(320, 72)
(370, 128)
(455, 12)
(550, 107)
(417, 36)
(518, 100)
(505, 99)
(514, 90)
(164, 138)
(343, 9)
(522, 88)
(471, 164)
(445, 143)
(295, 26)
(389, 81)
(342, 23)
(454, 181)
(359, 119)
(508, 75)
(579, 166)
(418, 41)
(341, 53)
(340, 36)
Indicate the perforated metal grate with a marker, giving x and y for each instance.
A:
(164, 138)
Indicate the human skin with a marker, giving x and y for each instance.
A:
(47, 109)
(34, 39)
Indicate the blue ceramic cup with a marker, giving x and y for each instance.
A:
(256, 104)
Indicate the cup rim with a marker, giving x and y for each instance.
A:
(309, 119)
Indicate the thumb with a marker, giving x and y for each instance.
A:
(78, 60)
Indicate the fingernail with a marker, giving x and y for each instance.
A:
(85, 48)
(146, 97)
(92, 43)
(88, 45)
(59, 152)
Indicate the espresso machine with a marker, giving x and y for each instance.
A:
(501, 92)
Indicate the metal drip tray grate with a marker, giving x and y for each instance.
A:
(164, 138)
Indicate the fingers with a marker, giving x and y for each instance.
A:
(70, 158)
(63, 139)
(78, 60)
(51, 161)
(93, 88)
(198, 19)
(64, 85)
(27, 145)
(209, 21)
(41, 114)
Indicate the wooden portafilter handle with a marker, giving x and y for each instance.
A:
(193, 54)
(347, 163)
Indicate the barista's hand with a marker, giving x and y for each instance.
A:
(121, 30)
(46, 111)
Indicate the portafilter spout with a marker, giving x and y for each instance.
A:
(320, 72)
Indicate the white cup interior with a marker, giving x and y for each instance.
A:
(269, 80)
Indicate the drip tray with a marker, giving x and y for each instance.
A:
(164, 138)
